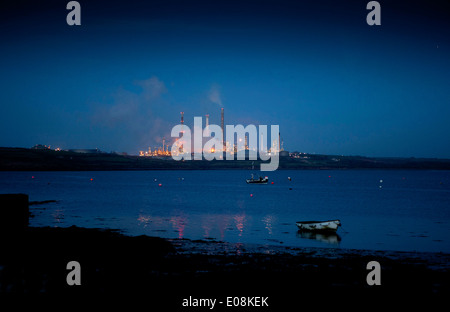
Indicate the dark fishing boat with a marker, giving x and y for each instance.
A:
(259, 180)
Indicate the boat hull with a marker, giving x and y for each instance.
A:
(256, 182)
(319, 226)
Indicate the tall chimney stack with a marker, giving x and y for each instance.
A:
(223, 129)
(279, 142)
(207, 123)
(181, 147)
(164, 143)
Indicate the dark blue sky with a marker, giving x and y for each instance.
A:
(334, 84)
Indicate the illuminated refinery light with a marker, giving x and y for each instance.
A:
(177, 146)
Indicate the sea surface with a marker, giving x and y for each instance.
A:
(379, 209)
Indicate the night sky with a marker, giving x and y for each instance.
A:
(333, 84)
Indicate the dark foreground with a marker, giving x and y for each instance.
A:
(159, 273)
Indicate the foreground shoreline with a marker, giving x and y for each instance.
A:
(432, 260)
(168, 270)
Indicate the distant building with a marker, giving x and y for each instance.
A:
(85, 151)
(297, 154)
(41, 147)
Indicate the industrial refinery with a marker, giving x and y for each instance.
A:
(176, 146)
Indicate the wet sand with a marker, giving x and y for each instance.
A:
(163, 272)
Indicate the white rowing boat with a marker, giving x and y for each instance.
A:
(319, 226)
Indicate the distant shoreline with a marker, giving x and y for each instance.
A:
(23, 159)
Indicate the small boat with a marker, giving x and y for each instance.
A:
(260, 180)
(319, 226)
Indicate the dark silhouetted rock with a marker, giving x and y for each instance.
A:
(13, 212)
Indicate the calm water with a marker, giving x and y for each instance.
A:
(408, 210)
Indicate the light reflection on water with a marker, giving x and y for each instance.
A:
(179, 224)
(268, 222)
(411, 211)
(328, 238)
